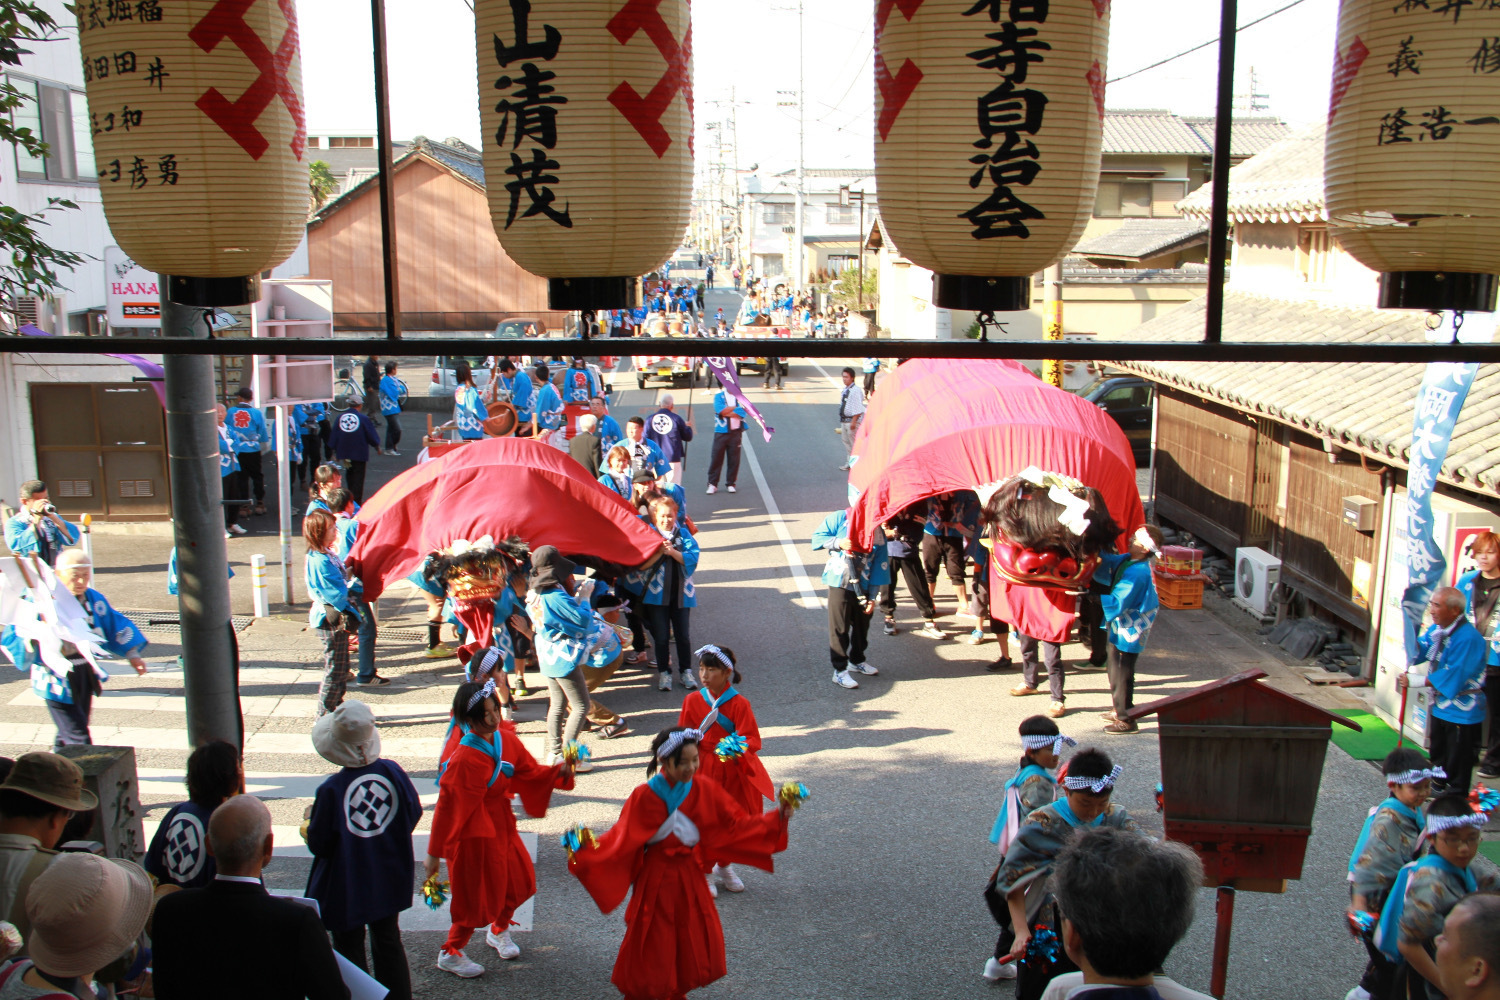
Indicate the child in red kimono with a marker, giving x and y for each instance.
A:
(474, 827)
(720, 712)
(673, 939)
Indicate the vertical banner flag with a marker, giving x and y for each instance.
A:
(1441, 397)
(729, 378)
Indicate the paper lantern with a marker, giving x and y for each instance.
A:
(1413, 139)
(989, 120)
(587, 112)
(198, 127)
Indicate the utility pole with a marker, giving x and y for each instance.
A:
(210, 659)
(1052, 318)
(797, 234)
(387, 179)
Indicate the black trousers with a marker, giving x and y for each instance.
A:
(1051, 657)
(312, 457)
(392, 431)
(354, 480)
(848, 628)
(728, 444)
(1491, 762)
(1122, 679)
(250, 468)
(910, 567)
(1091, 622)
(944, 551)
(72, 721)
(869, 384)
(1453, 749)
(389, 954)
(774, 367)
(979, 601)
(661, 620)
(230, 484)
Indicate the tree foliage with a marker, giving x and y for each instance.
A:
(844, 291)
(321, 182)
(28, 265)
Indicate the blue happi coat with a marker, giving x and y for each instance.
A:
(656, 577)
(117, 634)
(247, 428)
(564, 630)
(469, 412)
(877, 565)
(21, 535)
(1130, 607)
(1457, 680)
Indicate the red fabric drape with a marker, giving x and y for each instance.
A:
(938, 425)
(498, 487)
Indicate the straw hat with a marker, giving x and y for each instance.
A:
(85, 912)
(347, 736)
(53, 779)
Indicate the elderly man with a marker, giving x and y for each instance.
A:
(1454, 651)
(585, 446)
(1468, 950)
(232, 939)
(37, 528)
(1126, 901)
(670, 433)
(40, 795)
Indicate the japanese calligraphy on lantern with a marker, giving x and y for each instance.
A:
(591, 177)
(989, 116)
(198, 130)
(1413, 132)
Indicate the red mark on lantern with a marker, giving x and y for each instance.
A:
(895, 90)
(644, 113)
(1101, 7)
(1095, 77)
(1345, 65)
(237, 118)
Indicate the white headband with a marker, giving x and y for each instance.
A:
(1143, 538)
(1074, 514)
(485, 692)
(717, 654)
(676, 740)
(1055, 742)
(1096, 785)
(1437, 824)
(1414, 776)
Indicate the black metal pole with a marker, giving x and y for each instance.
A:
(210, 665)
(387, 172)
(860, 294)
(1218, 220)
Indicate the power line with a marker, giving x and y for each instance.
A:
(1211, 41)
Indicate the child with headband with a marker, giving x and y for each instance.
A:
(474, 826)
(1022, 879)
(1387, 841)
(1428, 888)
(721, 713)
(1028, 790)
(673, 942)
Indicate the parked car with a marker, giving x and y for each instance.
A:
(444, 384)
(1127, 400)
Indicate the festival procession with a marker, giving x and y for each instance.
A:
(434, 588)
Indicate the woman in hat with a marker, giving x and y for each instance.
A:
(359, 833)
(86, 914)
(474, 826)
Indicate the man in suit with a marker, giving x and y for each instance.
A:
(585, 446)
(232, 939)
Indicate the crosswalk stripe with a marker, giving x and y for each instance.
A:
(269, 706)
(41, 734)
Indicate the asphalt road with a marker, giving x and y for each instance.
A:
(879, 892)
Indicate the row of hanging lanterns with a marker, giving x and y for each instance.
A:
(989, 120)
(1413, 138)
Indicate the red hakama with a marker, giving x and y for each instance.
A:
(745, 779)
(673, 939)
(474, 828)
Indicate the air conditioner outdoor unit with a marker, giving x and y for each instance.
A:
(1256, 574)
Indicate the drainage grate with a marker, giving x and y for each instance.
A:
(170, 622)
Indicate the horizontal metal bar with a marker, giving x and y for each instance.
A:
(1106, 350)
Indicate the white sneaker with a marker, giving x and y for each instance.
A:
(460, 965)
(731, 488)
(553, 759)
(1358, 993)
(713, 890)
(395, 454)
(580, 766)
(729, 878)
(238, 530)
(503, 945)
(863, 668)
(930, 631)
(712, 489)
(228, 535)
(689, 681)
(843, 680)
(995, 969)
(664, 681)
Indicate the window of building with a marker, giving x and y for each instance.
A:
(839, 262)
(313, 141)
(777, 215)
(773, 265)
(841, 215)
(83, 138)
(28, 116)
(60, 118)
(351, 142)
(1138, 199)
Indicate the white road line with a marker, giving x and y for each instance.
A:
(837, 383)
(810, 598)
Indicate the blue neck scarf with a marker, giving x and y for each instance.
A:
(491, 749)
(1016, 782)
(671, 795)
(714, 704)
(1066, 812)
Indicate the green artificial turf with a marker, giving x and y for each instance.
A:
(1491, 850)
(1376, 740)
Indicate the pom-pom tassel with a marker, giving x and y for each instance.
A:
(435, 892)
(792, 794)
(575, 839)
(1043, 946)
(731, 747)
(576, 751)
(1484, 800)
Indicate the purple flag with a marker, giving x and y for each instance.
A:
(153, 371)
(729, 378)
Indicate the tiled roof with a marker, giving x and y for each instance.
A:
(1138, 239)
(1156, 131)
(1282, 184)
(457, 156)
(1362, 407)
